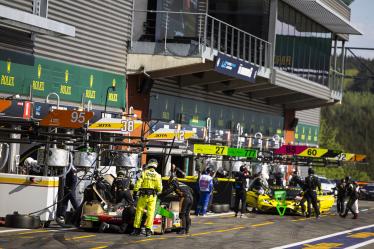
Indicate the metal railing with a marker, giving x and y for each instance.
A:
(336, 81)
(193, 34)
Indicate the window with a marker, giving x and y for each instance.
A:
(303, 47)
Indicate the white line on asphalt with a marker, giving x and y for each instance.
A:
(26, 229)
(14, 230)
(361, 244)
(322, 237)
(215, 215)
(364, 210)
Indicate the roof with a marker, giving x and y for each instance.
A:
(324, 15)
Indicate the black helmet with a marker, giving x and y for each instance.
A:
(208, 170)
(310, 171)
(347, 179)
(172, 179)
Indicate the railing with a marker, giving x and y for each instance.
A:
(193, 34)
(336, 81)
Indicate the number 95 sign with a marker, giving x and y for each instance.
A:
(70, 119)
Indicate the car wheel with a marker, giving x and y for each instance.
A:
(217, 208)
(22, 221)
(225, 208)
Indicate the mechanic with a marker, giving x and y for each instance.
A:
(311, 184)
(185, 195)
(352, 190)
(206, 189)
(121, 189)
(341, 189)
(148, 186)
(259, 185)
(295, 180)
(175, 171)
(71, 181)
(241, 187)
(123, 198)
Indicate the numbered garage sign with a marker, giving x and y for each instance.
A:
(207, 149)
(249, 153)
(115, 125)
(313, 152)
(70, 119)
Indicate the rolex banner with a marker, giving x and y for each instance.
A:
(19, 72)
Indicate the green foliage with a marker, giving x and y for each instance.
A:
(350, 126)
(340, 172)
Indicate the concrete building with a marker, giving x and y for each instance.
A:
(76, 49)
(237, 67)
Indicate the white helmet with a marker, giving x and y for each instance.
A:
(152, 163)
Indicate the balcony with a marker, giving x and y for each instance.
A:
(185, 50)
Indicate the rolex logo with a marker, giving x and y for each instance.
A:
(39, 71)
(8, 65)
(91, 80)
(66, 76)
(114, 83)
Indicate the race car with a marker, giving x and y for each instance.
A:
(97, 208)
(267, 202)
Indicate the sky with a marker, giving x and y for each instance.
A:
(363, 19)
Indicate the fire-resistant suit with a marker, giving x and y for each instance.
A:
(149, 185)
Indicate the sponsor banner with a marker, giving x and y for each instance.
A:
(21, 73)
(236, 68)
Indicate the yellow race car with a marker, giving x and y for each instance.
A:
(267, 202)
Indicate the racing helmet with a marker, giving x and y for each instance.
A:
(152, 163)
(310, 171)
(348, 179)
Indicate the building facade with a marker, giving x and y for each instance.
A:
(76, 49)
(237, 68)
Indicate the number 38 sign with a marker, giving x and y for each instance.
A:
(70, 119)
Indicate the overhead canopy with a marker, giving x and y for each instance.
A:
(26, 21)
(324, 15)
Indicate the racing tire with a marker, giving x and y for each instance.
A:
(22, 221)
(225, 208)
(217, 208)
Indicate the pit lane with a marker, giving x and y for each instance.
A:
(225, 231)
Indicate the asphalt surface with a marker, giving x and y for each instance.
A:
(253, 231)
